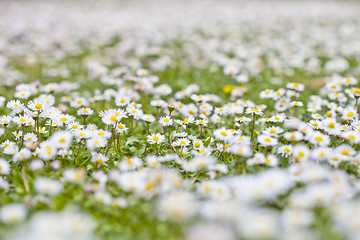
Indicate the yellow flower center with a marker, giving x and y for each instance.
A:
(318, 139)
(345, 152)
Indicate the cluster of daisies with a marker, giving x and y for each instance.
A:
(190, 127)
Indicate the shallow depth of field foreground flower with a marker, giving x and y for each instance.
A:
(179, 120)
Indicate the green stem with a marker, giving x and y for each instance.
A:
(253, 126)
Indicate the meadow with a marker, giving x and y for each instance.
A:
(179, 120)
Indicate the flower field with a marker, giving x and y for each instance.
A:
(179, 120)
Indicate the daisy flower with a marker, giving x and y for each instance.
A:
(4, 167)
(330, 126)
(74, 125)
(319, 139)
(148, 118)
(349, 113)
(96, 142)
(74, 175)
(285, 150)
(254, 110)
(122, 101)
(61, 139)
(296, 86)
(271, 160)
(242, 119)
(47, 186)
(5, 120)
(30, 137)
(98, 158)
(13, 213)
(24, 120)
(321, 154)
(266, 140)
(241, 150)
(85, 111)
(166, 121)
(273, 131)
(300, 153)
(345, 152)
(293, 136)
(183, 142)
(315, 124)
(223, 134)
(202, 122)
(352, 136)
(37, 105)
(155, 138)
(130, 163)
(79, 102)
(121, 128)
